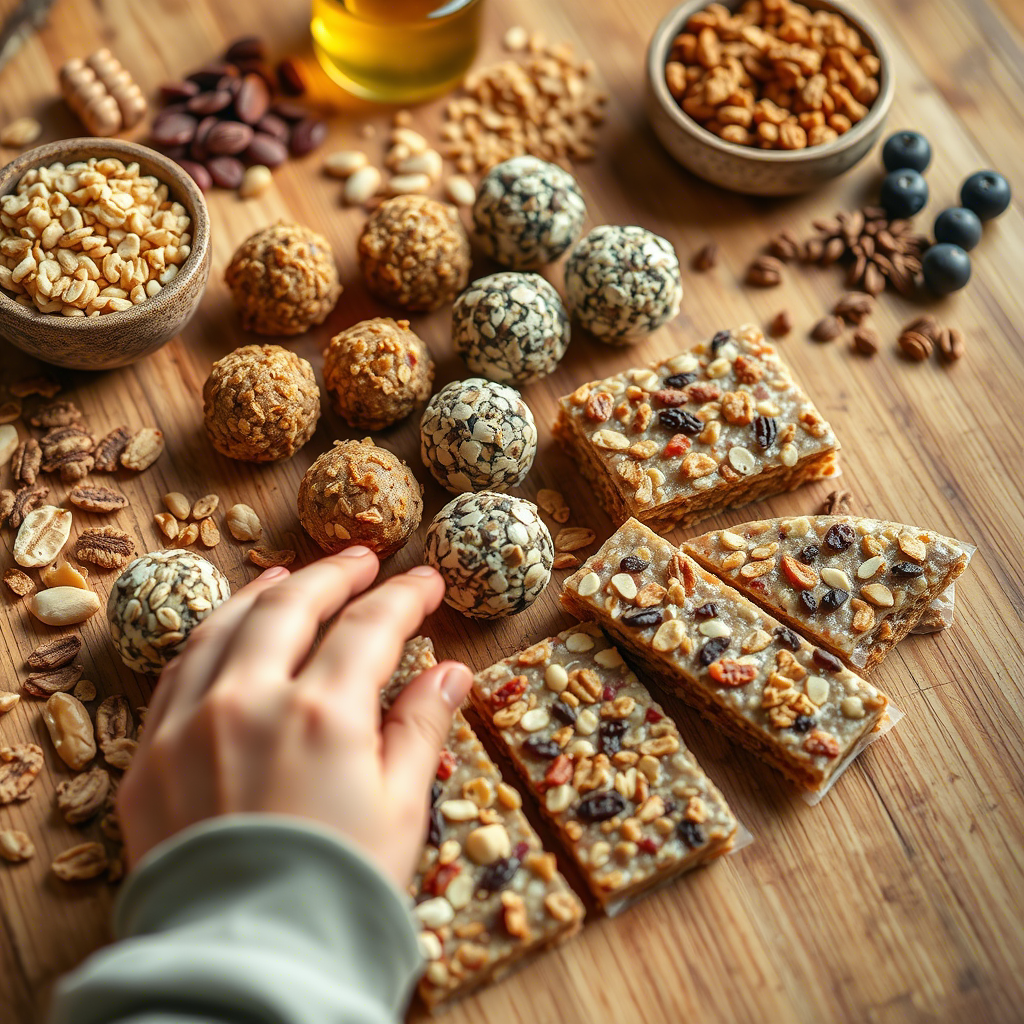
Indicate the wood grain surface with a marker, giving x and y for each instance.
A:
(899, 897)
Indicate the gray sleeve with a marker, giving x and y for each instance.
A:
(250, 919)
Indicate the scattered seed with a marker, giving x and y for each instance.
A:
(256, 180)
(828, 328)
(460, 190)
(781, 325)
(705, 258)
(361, 186)
(205, 506)
(345, 162)
(267, 559)
(20, 133)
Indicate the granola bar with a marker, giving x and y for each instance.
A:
(717, 426)
(630, 802)
(852, 585)
(794, 705)
(487, 895)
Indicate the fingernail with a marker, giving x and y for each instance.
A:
(455, 684)
(423, 570)
(273, 573)
(357, 551)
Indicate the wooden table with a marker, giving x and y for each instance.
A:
(900, 897)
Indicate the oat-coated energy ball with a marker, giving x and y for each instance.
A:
(621, 283)
(157, 601)
(510, 327)
(260, 403)
(414, 253)
(283, 280)
(493, 551)
(376, 372)
(528, 212)
(476, 435)
(357, 493)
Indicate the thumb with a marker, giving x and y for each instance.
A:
(416, 727)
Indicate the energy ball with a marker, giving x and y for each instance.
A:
(357, 493)
(493, 551)
(283, 280)
(260, 403)
(510, 327)
(621, 283)
(414, 253)
(528, 212)
(376, 372)
(157, 601)
(476, 435)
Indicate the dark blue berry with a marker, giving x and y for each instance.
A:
(679, 380)
(958, 225)
(600, 806)
(633, 563)
(802, 723)
(563, 712)
(499, 874)
(906, 570)
(708, 610)
(540, 747)
(808, 601)
(808, 554)
(713, 650)
(691, 833)
(681, 421)
(946, 268)
(644, 617)
(904, 193)
(987, 193)
(906, 149)
(720, 339)
(611, 733)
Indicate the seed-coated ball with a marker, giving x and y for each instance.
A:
(906, 149)
(987, 193)
(946, 268)
(904, 193)
(959, 226)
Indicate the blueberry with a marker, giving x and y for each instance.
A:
(959, 226)
(987, 193)
(904, 193)
(946, 268)
(906, 149)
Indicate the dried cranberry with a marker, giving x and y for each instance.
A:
(540, 747)
(608, 693)
(802, 723)
(833, 599)
(633, 563)
(691, 833)
(653, 715)
(446, 764)
(787, 637)
(563, 712)
(906, 570)
(705, 611)
(827, 661)
(601, 806)
(643, 617)
(679, 380)
(611, 733)
(680, 421)
(647, 845)
(808, 554)
(840, 536)
(508, 692)
(498, 874)
(713, 649)
(766, 429)
(520, 850)
(435, 827)
(720, 339)
(438, 878)
(808, 601)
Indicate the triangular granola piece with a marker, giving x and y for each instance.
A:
(852, 585)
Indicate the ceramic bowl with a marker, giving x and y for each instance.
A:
(118, 338)
(762, 172)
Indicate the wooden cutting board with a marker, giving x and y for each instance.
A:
(899, 897)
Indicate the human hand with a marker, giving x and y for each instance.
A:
(246, 719)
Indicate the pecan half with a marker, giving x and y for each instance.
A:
(764, 272)
(25, 500)
(20, 763)
(837, 503)
(57, 680)
(105, 546)
(143, 449)
(107, 453)
(56, 414)
(266, 559)
(83, 797)
(55, 653)
(68, 450)
(94, 498)
(39, 385)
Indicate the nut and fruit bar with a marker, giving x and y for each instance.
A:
(855, 586)
(487, 895)
(794, 705)
(630, 802)
(717, 426)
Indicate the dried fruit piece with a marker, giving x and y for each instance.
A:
(108, 451)
(20, 583)
(80, 863)
(94, 498)
(20, 763)
(267, 559)
(243, 523)
(41, 536)
(105, 546)
(143, 449)
(15, 846)
(55, 653)
(729, 672)
(83, 797)
(70, 728)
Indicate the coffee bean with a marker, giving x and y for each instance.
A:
(246, 48)
(171, 92)
(226, 138)
(209, 75)
(209, 102)
(174, 152)
(265, 149)
(271, 124)
(253, 99)
(198, 173)
(307, 135)
(173, 129)
(226, 171)
(289, 111)
(291, 78)
(197, 151)
(257, 67)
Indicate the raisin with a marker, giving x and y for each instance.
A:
(720, 339)
(808, 554)
(540, 747)
(787, 637)
(808, 601)
(633, 563)
(680, 421)
(840, 536)
(643, 617)
(713, 649)
(827, 661)
(498, 874)
(611, 734)
(600, 806)
(906, 570)
(766, 429)
(679, 380)
(802, 723)
(691, 833)
(434, 827)
(705, 611)
(563, 712)
(435, 792)
(833, 599)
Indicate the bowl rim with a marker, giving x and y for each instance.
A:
(657, 54)
(180, 186)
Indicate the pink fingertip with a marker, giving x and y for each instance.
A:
(273, 573)
(356, 551)
(422, 570)
(455, 685)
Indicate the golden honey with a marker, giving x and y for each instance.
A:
(396, 51)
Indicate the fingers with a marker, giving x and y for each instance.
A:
(417, 725)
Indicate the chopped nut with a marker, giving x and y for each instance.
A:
(243, 523)
(15, 846)
(205, 507)
(20, 763)
(143, 449)
(80, 863)
(706, 257)
(177, 504)
(20, 583)
(573, 538)
(266, 558)
(208, 533)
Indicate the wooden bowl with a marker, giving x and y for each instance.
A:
(121, 337)
(761, 172)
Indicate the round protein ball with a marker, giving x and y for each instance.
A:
(358, 493)
(157, 601)
(414, 253)
(528, 212)
(510, 327)
(261, 403)
(493, 551)
(476, 435)
(621, 283)
(377, 372)
(283, 280)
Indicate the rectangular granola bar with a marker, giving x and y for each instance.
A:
(794, 705)
(630, 802)
(715, 427)
(487, 896)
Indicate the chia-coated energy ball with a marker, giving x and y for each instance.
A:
(528, 212)
(157, 601)
(358, 493)
(510, 327)
(621, 283)
(476, 435)
(377, 372)
(414, 253)
(493, 551)
(283, 280)
(261, 403)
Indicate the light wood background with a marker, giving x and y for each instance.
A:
(898, 898)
